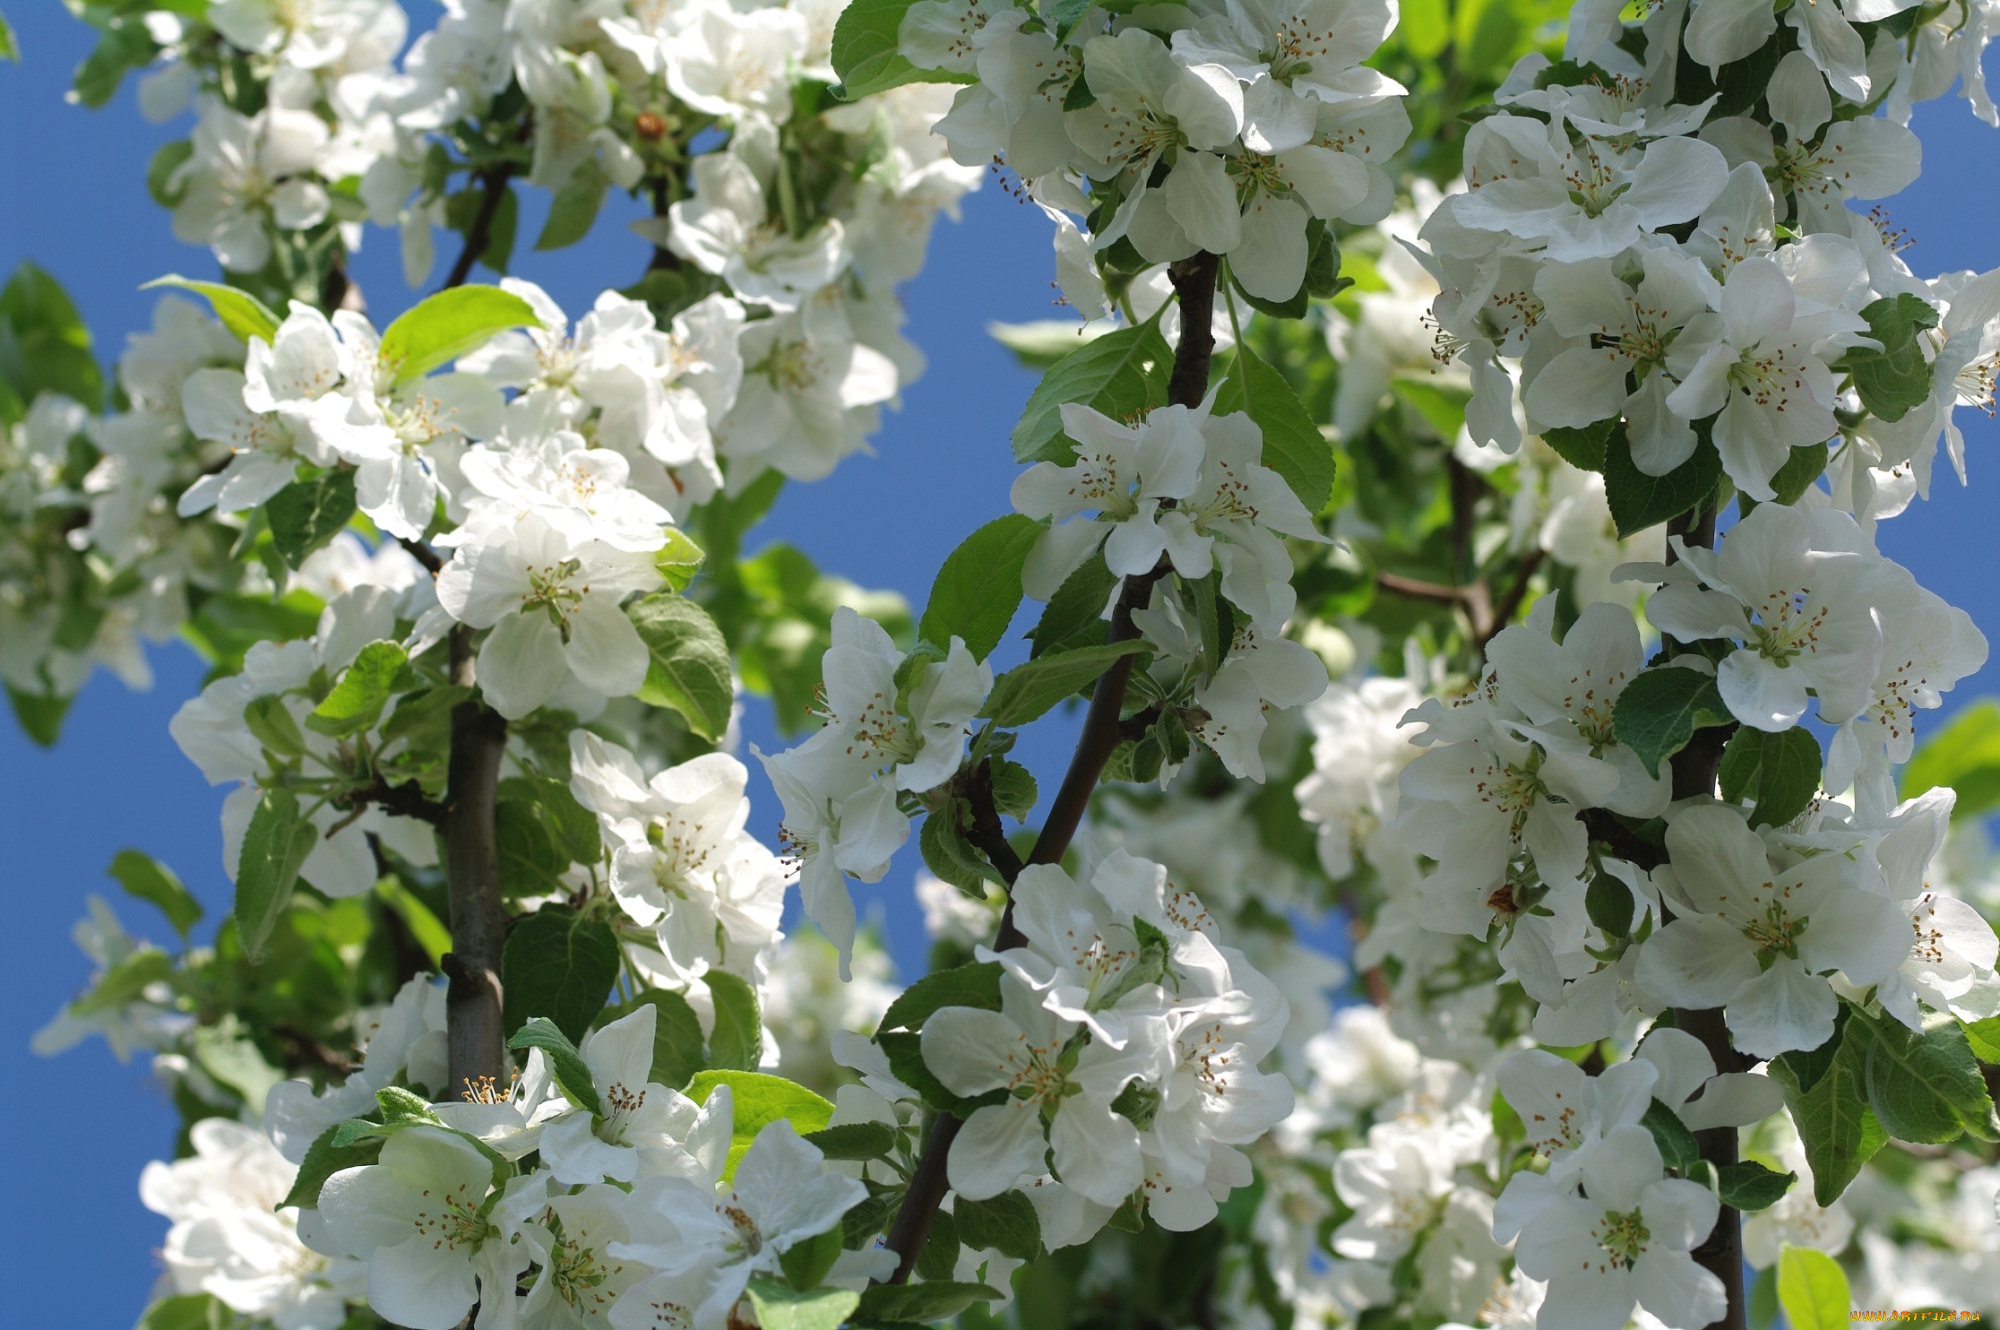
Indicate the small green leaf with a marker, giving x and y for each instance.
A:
(185, 1311)
(160, 173)
(737, 1041)
(1293, 444)
(1897, 378)
(1007, 1223)
(758, 1101)
(150, 880)
(1750, 1187)
(805, 1263)
(951, 857)
(1660, 710)
(1964, 757)
(241, 313)
(1583, 448)
(1813, 1290)
(920, 1304)
(1638, 500)
(1075, 614)
(126, 981)
(1030, 689)
(274, 848)
(1678, 1149)
(979, 587)
(1787, 776)
(855, 1140)
(356, 702)
(867, 54)
(1983, 1037)
(40, 715)
(560, 965)
(270, 722)
(1800, 470)
(10, 49)
(447, 325)
(1120, 374)
(1824, 1093)
(1609, 904)
(1764, 1298)
(689, 671)
(323, 1160)
(306, 514)
(571, 1073)
(780, 1307)
(938, 1257)
(426, 928)
(679, 559)
(1014, 789)
(677, 1043)
(123, 45)
(573, 211)
(974, 985)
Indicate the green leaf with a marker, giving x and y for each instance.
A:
(1750, 1187)
(1923, 1086)
(226, 1052)
(855, 1140)
(573, 211)
(1638, 500)
(1609, 904)
(1782, 770)
(571, 1072)
(951, 857)
(1984, 1038)
(306, 514)
(1293, 445)
(805, 1263)
(126, 981)
(1120, 374)
(447, 325)
(979, 587)
(1075, 614)
(758, 1101)
(150, 880)
(572, 828)
(677, 1044)
(906, 1060)
(557, 964)
(1678, 1148)
(1764, 1298)
(780, 1307)
(689, 671)
(1216, 621)
(323, 1160)
(1660, 710)
(1898, 377)
(1582, 448)
(270, 722)
(1031, 688)
(40, 716)
(425, 927)
(123, 45)
(1007, 1223)
(1964, 756)
(679, 559)
(1014, 788)
(10, 49)
(186, 1311)
(44, 344)
(1800, 470)
(241, 313)
(356, 702)
(737, 1041)
(160, 172)
(1823, 1091)
(938, 1257)
(1812, 1290)
(975, 985)
(920, 1304)
(866, 54)
(274, 847)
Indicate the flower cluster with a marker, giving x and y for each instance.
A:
(1243, 131)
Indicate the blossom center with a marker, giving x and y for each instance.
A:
(1622, 1237)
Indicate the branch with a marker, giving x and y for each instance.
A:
(480, 234)
(1194, 283)
(1503, 613)
(1694, 769)
(423, 554)
(476, 1037)
(987, 833)
(405, 800)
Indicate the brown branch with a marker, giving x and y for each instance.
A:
(1510, 604)
(405, 800)
(476, 1037)
(1194, 283)
(423, 554)
(987, 832)
(493, 182)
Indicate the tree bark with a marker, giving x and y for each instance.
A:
(1694, 770)
(476, 1036)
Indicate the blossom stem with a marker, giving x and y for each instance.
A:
(476, 1037)
(1194, 283)
(493, 185)
(1694, 771)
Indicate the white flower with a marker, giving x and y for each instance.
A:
(643, 1129)
(1951, 962)
(246, 173)
(811, 393)
(725, 229)
(1757, 941)
(1755, 363)
(579, 1280)
(1019, 1049)
(416, 1218)
(229, 1236)
(1689, 1085)
(1628, 1244)
(851, 827)
(783, 1193)
(1358, 753)
(553, 605)
(1396, 1189)
(735, 64)
(1927, 646)
(578, 490)
(1567, 1116)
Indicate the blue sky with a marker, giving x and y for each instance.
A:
(75, 1239)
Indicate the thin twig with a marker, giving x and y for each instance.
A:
(423, 554)
(493, 184)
